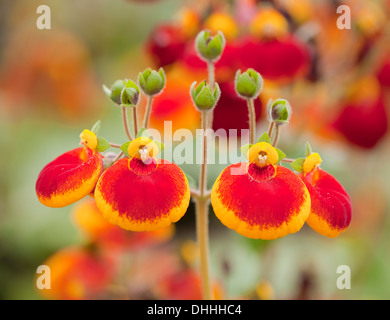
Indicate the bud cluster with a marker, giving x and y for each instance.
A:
(124, 93)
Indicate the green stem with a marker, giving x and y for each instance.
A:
(147, 112)
(277, 133)
(202, 213)
(271, 128)
(126, 123)
(252, 121)
(211, 78)
(115, 145)
(135, 121)
(211, 74)
(203, 168)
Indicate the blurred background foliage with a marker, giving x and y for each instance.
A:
(50, 90)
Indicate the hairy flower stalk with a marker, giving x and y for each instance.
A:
(211, 78)
(279, 113)
(205, 99)
(135, 121)
(252, 121)
(248, 86)
(147, 112)
(152, 83)
(202, 215)
(126, 123)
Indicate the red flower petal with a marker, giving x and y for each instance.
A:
(69, 177)
(231, 111)
(142, 197)
(166, 44)
(276, 59)
(331, 208)
(363, 124)
(384, 74)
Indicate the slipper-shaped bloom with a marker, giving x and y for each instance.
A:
(331, 207)
(71, 176)
(142, 193)
(260, 199)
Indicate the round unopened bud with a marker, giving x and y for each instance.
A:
(279, 111)
(248, 84)
(123, 92)
(203, 96)
(152, 82)
(209, 47)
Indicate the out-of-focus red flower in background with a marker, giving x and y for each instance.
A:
(77, 273)
(363, 118)
(50, 71)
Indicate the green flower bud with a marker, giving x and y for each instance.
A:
(123, 92)
(209, 47)
(151, 81)
(279, 111)
(248, 84)
(203, 96)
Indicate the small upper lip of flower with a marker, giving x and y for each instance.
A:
(143, 148)
(312, 162)
(88, 139)
(263, 154)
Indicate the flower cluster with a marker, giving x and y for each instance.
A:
(137, 191)
(261, 199)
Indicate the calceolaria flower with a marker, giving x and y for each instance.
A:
(71, 176)
(141, 192)
(260, 199)
(331, 207)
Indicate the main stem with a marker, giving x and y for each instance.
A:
(252, 121)
(147, 112)
(125, 123)
(202, 213)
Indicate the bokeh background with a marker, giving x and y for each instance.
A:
(337, 81)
